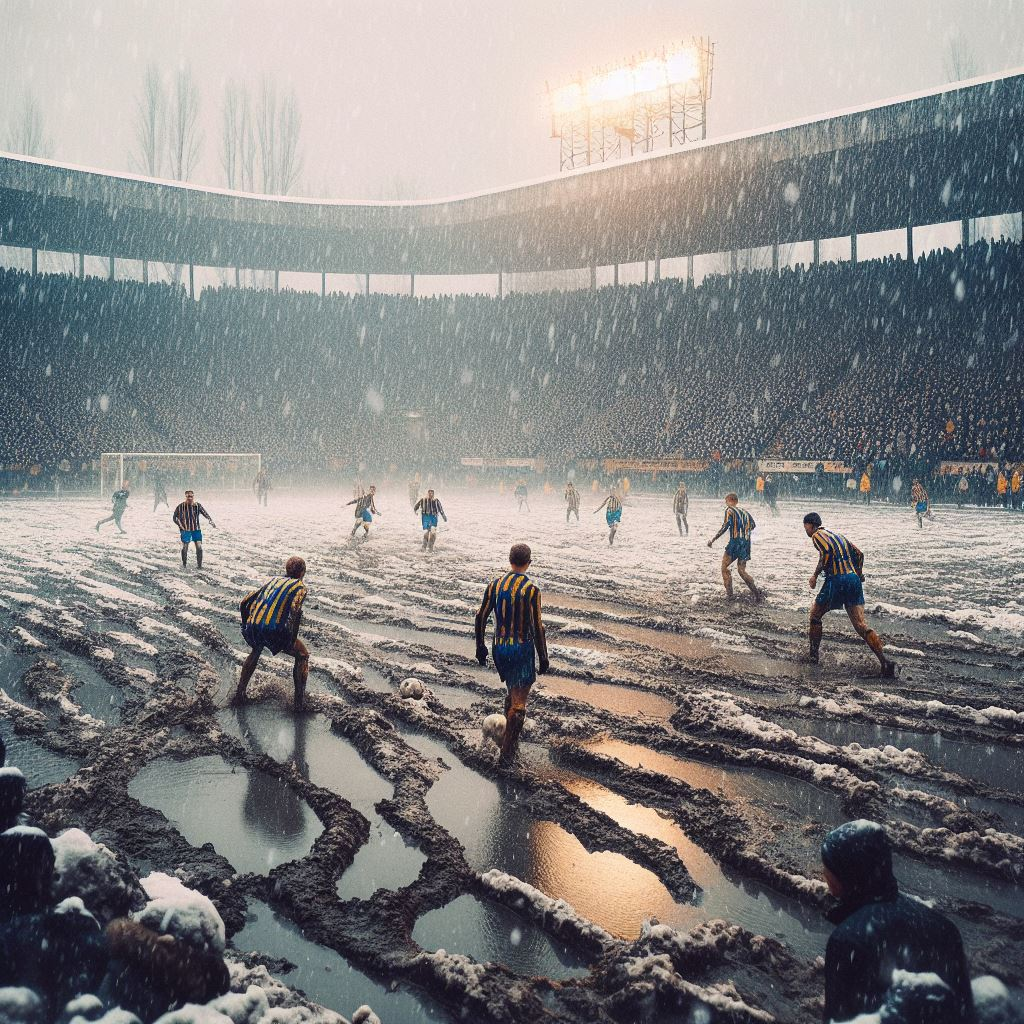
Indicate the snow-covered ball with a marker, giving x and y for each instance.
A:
(412, 688)
(494, 728)
(176, 910)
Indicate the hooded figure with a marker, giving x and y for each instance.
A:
(879, 931)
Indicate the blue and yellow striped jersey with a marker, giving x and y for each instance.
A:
(186, 516)
(272, 606)
(515, 602)
(838, 556)
(740, 522)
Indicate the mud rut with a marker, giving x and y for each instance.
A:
(673, 725)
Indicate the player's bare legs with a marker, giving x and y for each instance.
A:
(870, 637)
(515, 717)
(741, 568)
(727, 560)
(248, 667)
(300, 672)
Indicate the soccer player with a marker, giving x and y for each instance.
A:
(365, 511)
(680, 506)
(261, 485)
(922, 507)
(842, 562)
(572, 501)
(271, 617)
(518, 641)
(429, 509)
(186, 518)
(414, 492)
(740, 524)
(612, 515)
(771, 495)
(159, 492)
(521, 495)
(120, 502)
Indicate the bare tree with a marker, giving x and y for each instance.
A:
(278, 131)
(151, 125)
(26, 132)
(234, 121)
(959, 61)
(184, 134)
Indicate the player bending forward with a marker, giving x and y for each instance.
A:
(271, 617)
(612, 515)
(365, 511)
(680, 506)
(922, 506)
(518, 637)
(842, 562)
(429, 509)
(740, 524)
(572, 501)
(119, 501)
(186, 518)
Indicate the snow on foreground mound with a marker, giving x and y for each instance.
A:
(89, 870)
(176, 910)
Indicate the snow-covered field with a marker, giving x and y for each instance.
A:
(679, 763)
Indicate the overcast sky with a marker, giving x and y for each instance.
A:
(426, 98)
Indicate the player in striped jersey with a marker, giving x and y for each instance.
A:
(186, 518)
(429, 509)
(365, 511)
(271, 617)
(842, 563)
(572, 501)
(680, 506)
(740, 524)
(518, 640)
(922, 506)
(612, 515)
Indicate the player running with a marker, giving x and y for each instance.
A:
(119, 500)
(522, 495)
(842, 562)
(572, 501)
(681, 506)
(159, 492)
(612, 515)
(771, 495)
(186, 518)
(271, 617)
(740, 524)
(261, 485)
(429, 509)
(365, 511)
(518, 637)
(922, 506)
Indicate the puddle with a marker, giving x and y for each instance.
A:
(39, 765)
(94, 694)
(740, 901)
(385, 861)
(12, 667)
(253, 819)
(991, 763)
(491, 933)
(936, 882)
(324, 975)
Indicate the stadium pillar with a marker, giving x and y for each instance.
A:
(35, 260)
(775, 257)
(367, 284)
(593, 277)
(145, 271)
(853, 247)
(110, 269)
(647, 271)
(238, 278)
(277, 281)
(323, 284)
(965, 233)
(734, 262)
(81, 266)
(689, 271)
(412, 286)
(657, 269)
(615, 275)
(910, 243)
(191, 281)
(501, 286)
(816, 251)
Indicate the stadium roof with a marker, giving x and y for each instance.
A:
(931, 157)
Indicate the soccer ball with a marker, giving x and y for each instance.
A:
(494, 728)
(412, 688)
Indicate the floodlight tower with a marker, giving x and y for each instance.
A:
(632, 107)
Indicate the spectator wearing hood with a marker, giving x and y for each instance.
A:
(879, 931)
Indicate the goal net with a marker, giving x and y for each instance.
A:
(179, 471)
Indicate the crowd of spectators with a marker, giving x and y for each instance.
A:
(876, 363)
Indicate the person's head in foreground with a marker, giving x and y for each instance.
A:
(295, 567)
(812, 523)
(731, 499)
(520, 557)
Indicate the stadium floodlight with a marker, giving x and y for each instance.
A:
(641, 100)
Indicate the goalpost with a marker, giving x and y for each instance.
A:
(178, 471)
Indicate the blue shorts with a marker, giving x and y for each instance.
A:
(275, 641)
(840, 592)
(365, 516)
(515, 664)
(429, 522)
(921, 507)
(738, 549)
(187, 536)
(613, 517)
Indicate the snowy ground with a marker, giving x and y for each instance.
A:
(679, 763)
